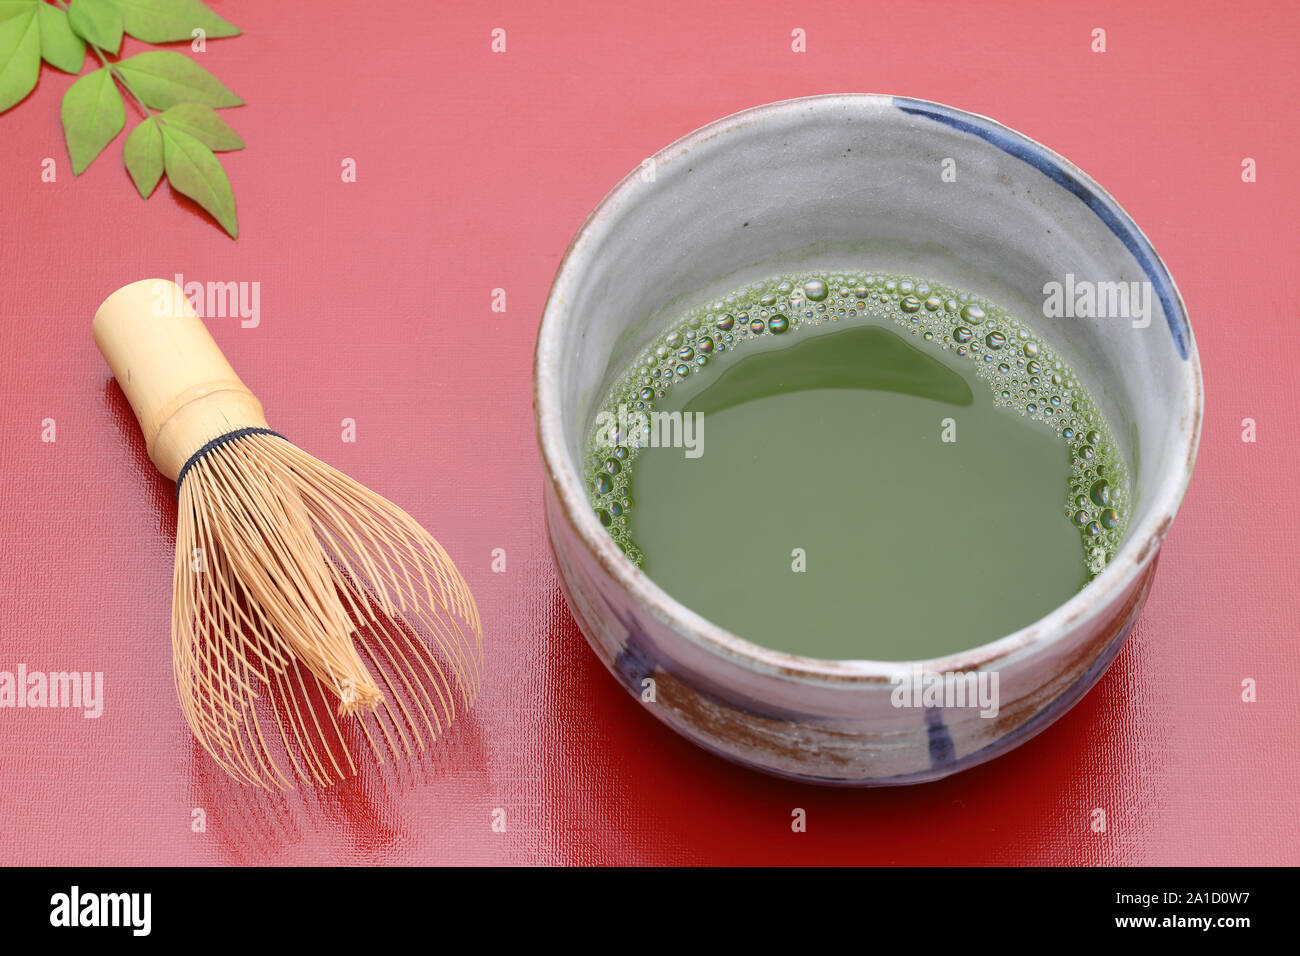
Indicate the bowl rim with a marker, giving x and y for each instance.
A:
(1120, 574)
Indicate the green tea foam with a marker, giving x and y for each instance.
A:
(887, 360)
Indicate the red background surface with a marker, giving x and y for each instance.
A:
(474, 171)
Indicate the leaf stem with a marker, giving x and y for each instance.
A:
(113, 71)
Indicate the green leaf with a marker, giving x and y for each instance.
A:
(98, 22)
(20, 56)
(194, 171)
(11, 8)
(93, 114)
(163, 78)
(204, 124)
(61, 47)
(165, 21)
(143, 153)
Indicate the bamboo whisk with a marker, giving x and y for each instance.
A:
(308, 612)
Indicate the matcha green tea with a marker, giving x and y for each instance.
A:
(858, 466)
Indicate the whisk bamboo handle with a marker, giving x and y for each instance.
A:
(182, 389)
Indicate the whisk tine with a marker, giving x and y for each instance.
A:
(290, 573)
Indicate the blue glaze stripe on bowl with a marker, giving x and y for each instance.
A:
(1038, 157)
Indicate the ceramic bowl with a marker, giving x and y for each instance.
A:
(891, 184)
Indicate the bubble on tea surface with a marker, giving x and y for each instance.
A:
(1100, 492)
